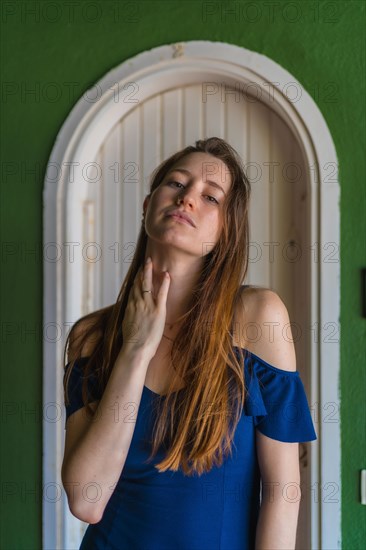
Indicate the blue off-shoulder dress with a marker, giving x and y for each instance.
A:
(218, 510)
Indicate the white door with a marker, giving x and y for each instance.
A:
(110, 209)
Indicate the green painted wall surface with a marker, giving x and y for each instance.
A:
(58, 50)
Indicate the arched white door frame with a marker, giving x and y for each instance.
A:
(83, 132)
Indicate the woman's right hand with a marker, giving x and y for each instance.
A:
(144, 321)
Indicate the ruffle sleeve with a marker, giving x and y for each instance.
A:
(74, 387)
(276, 400)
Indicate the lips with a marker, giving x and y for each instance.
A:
(183, 215)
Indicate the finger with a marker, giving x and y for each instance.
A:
(138, 281)
(164, 288)
(147, 282)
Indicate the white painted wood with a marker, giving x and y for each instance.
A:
(260, 212)
(112, 247)
(168, 100)
(171, 122)
(193, 115)
(129, 211)
(151, 150)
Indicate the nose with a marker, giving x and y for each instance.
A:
(186, 196)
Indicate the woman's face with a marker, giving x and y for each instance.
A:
(202, 187)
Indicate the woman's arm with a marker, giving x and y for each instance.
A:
(280, 473)
(96, 449)
(278, 461)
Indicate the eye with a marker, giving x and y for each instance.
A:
(178, 183)
(211, 197)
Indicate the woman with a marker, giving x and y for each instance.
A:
(175, 414)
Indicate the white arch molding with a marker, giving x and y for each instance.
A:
(80, 137)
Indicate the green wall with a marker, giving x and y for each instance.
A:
(59, 49)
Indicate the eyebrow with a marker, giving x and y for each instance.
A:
(212, 183)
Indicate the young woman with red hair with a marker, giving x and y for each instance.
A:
(181, 431)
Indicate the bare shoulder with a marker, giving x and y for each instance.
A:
(262, 326)
(85, 334)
